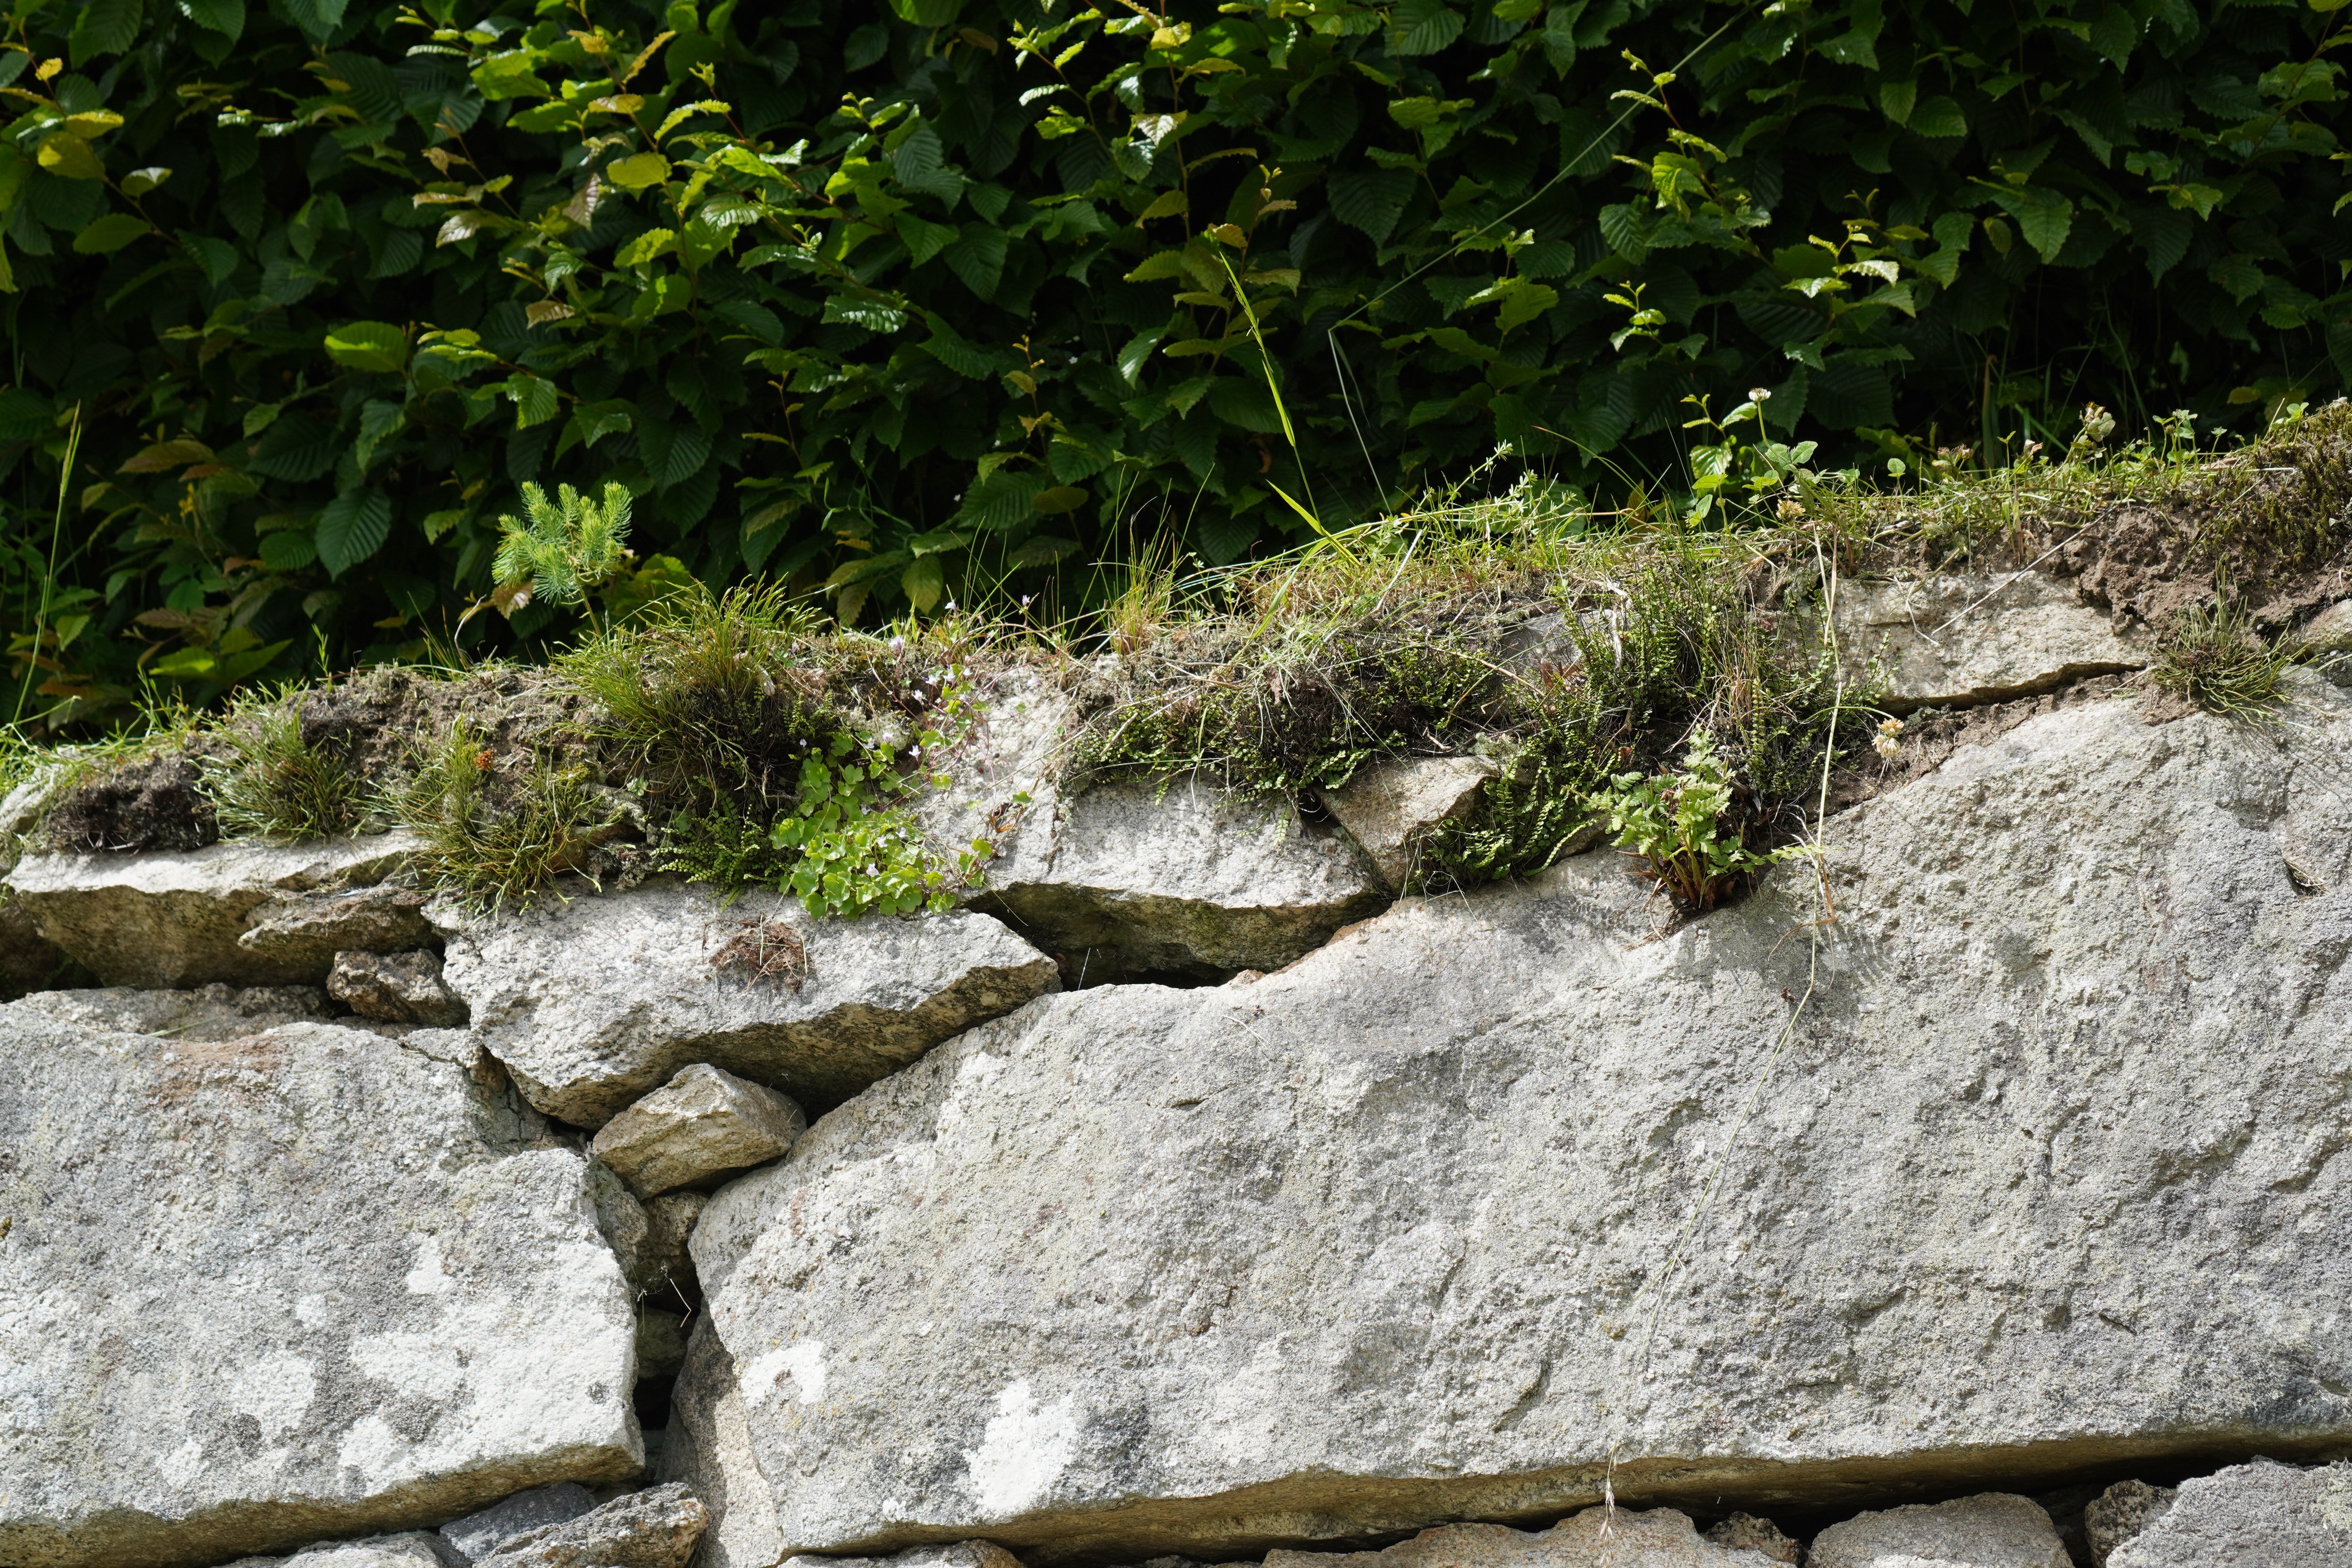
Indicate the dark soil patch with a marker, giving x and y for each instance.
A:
(151, 804)
(379, 718)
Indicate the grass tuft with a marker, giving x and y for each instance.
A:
(496, 836)
(275, 784)
(2211, 655)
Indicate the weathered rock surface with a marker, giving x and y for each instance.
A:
(711, 1452)
(413, 1549)
(478, 1535)
(302, 1284)
(1992, 1530)
(397, 987)
(1745, 1531)
(309, 929)
(1122, 880)
(2120, 1512)
(172, 917)
(1596, 1538)
(2262, 1515)
(1965, 639)
(670, 1227)
(960, 1554)
(653, 1529)
(702, 1124)
(28, 960)
(1391, 807)
(2043, 1174)
(214, 1012)
(593, 1001)
(2330, 631)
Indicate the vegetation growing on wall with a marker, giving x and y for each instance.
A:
(919, 304)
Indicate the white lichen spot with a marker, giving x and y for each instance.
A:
(310, 1311)
(803, 1362)
(276, 1393)
(372, 1448)
(428, 1278)
(184, 1464)
(1022, 1451)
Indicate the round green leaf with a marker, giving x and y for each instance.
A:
(109, 234)
(69, 157)
(638, 172)
(368, 346)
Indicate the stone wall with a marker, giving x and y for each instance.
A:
(1966, 1195)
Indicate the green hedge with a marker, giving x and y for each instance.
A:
(944, 301)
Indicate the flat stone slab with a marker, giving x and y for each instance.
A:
(1966, 639)
(1123, 879)
(593, 1001)
(171, 918)
(305, 1284)
(212, 1012)
(1436, 1222)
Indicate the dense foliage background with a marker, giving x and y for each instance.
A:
(964, 295)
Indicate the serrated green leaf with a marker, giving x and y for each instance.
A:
(1372, 201)
(352, 528)
(110, 234)
(226, 17)
(638, 172)
(368, 346)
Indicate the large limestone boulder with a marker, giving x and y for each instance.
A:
(167, 918)
(2262, 1515)
(592, 1001)
(306, 1283)
(1497, 1200)
(1968, 638)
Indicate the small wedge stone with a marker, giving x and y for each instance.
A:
(1389, 809)
(1596, 1538)
(1992, 1530)
(702, 1124)
(398, 988)
(309, 929)
(2121, 1512)
(478, 1535)
(656, 1528)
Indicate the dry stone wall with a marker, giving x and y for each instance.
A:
(1189, 1196)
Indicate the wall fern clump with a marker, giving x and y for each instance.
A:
(909, 304)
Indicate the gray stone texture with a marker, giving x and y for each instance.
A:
(413, 1549)
(2261, 1515)
(1391, 807)
(709, 1450)
(309, 929)
(1745, 1531)
(1992, 1530)
(593, 1001)
(2120, 1512)
(396, 987)
(1596, 1538)
(168, 918)
(301, 1284)
(1971, 638)
(1435, 1222)
(28, 960)
(2330, 631)
(212, 1012)
(1123, 879)
(703, 1122)
(959, 1554)
(656, 1528)
(478, 1535)
(669, 1227)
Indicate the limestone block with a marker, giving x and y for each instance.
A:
(1596, 1538)
(593, 1001)
(958, 1555)
(702, 1124)
(656, 1528)
(413, 1549)
(1970, 638)
(2262, 1515)
(478, 1535)
(1391, 807)
(711, 1452)
(167, 918)
(309, 929)
(213, 1012)
(302, 1284)
(2045, 1169)
(1992, 1530)
(2120, 1512)
(397, 987)
(1122, 879)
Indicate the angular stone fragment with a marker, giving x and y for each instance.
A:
(2043, 1166)
(670, 1227)
(1391, 807)
(1966, 638)
(1745, 1531)
(2120, 1512)
(653, 1529)
(1992, 1530)
(309, 929)
(958, 1555)
(28, 960)
(397, 987)
(171, 918)
(212, 1012)
(304, 1283)
(702, 1124)
(478, 1535)
(1123, 880)
(413, 1549)
(593, 1001)
(2330, 631)
(2262, 1515)
(710, 1451)
(1596, 1538)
